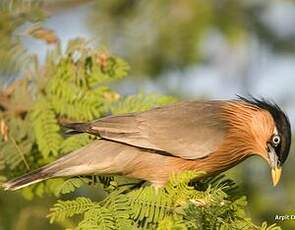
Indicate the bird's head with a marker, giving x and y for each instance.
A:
(277, 144)
(265, 129)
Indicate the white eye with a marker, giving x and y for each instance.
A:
(276, 140)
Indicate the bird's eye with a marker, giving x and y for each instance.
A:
(276, 140)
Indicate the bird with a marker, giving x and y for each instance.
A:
(208, 136)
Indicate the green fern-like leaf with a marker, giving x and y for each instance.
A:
(115, 69)
(13, 56)
(65, 209)
(180, 190)
(149, 205)
(46, 129)
(98, 218)
(16, 150)
(70, 185)
(74, 92)
(139, 103)
(172, 224)
(43, 188)
(74, 142)
(178, 205)
(121, 211)
(71, 99)
(15, 153)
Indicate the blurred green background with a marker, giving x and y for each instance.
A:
(190, 49)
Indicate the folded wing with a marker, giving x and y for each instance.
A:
(189, 130)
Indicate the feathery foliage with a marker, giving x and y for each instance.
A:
(72, 86)
(64, 209)
(46, 128)
(13, 14)
(178, 205)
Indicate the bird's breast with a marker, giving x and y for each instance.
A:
(158, 168)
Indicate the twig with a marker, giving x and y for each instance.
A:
(20, 152)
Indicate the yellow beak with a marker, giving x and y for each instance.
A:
(276, 175)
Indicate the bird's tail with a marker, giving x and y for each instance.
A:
(27, 179)
(43, 173)
(97, 157)
(48, 171)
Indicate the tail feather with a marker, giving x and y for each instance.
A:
(76, 163)
(61, 167)
(26, 180)
(100, 157)
(75, 128)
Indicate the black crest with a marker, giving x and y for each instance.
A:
(282, 123)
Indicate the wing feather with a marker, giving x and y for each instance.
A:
(189, 130)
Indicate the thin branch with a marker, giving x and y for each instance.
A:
(20, 152)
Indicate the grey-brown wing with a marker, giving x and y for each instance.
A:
(188, 130)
